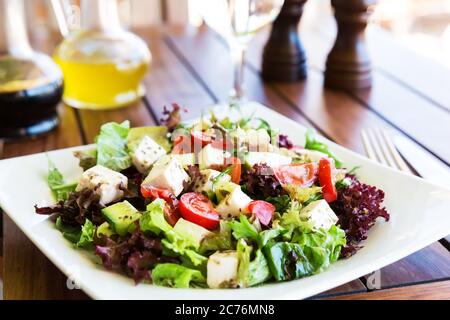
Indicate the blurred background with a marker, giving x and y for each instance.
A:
(421, 25)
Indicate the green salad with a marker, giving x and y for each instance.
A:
(218, 203)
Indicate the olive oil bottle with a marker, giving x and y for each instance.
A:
(103, 64)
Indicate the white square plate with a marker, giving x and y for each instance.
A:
(420, 215)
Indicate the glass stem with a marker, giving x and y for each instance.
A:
(238, 53)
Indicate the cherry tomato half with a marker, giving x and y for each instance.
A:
(201, 138)
(181, 145)
(154, 193)
(263, 210)
(236, 169)
(326, 180)
(302, 174)
(196, 208)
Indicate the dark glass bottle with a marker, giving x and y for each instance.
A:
(30, 82)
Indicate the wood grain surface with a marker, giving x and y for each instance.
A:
(191, 66)
(429, 291)
(322, 107)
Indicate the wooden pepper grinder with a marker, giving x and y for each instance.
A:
(284, 57)
(348, 65)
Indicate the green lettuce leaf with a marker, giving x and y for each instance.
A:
(178, 246)
(174, 243)
(292, 221)
(287, 261)
(270, 234)
(177, 276)
(331, 241)
(243, 229)
(313, 144)
(302, 232)
(251, 272)
(82, 237)
(112, 146)
(281, 203)
(308, 252)
(227, 123)
(55, 180)
(220, 241)
(153, 220)
(62, 192)
(71, 233)
(304, 195)
(86, 235)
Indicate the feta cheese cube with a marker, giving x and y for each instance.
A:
(257, 140)
(147, 153)
(168, 175)
(186, 159)
(209, 157)
(107, 183)
(320, 214)
(234, 204)
(205, 183)
(222, 270)
(271, 159)
(251, 139)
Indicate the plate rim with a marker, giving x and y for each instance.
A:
(291, 294)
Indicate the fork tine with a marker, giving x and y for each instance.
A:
(401, 164)
(368, 146)
(385, 149)
(376, 147)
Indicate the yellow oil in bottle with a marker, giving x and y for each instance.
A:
(96, 85)
(102, 69)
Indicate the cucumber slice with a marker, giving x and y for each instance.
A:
(121, 216)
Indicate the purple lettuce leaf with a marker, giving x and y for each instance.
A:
(260, 182)
(358, 206)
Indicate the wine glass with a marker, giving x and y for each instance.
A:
(237, 21)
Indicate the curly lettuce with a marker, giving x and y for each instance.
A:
(174, 243)
(304, 195)
(251, 272)
(301, 250)
(220, 241)
(243, 229)
(177, 276)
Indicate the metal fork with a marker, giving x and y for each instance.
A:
(379, 147)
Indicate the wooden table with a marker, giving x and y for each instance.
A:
(192, 67)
